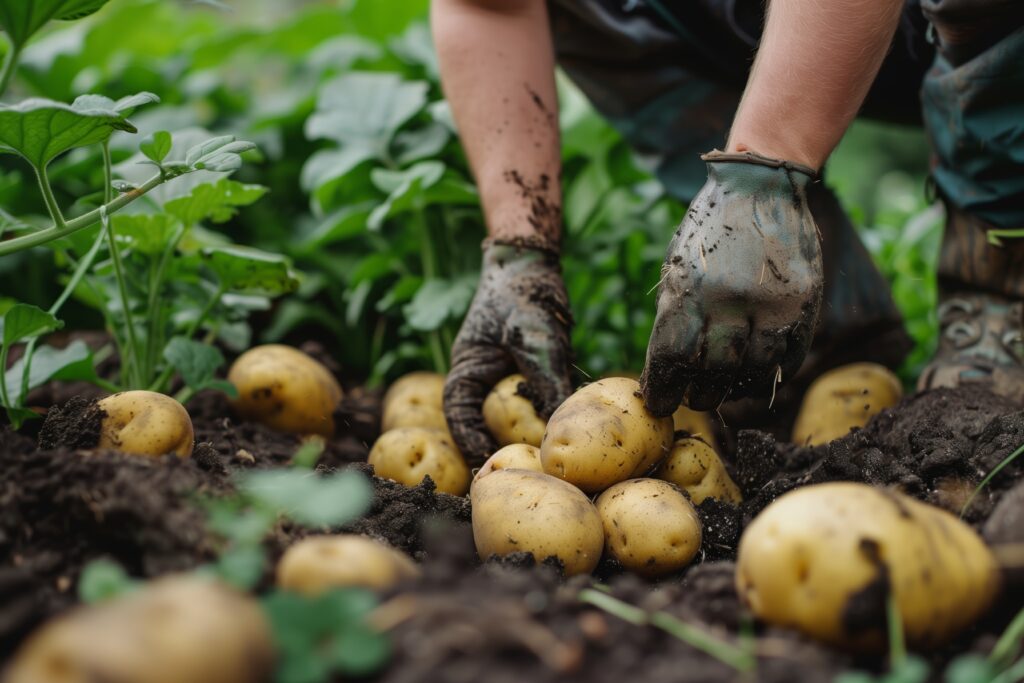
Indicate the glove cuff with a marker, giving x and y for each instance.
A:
(531, 242)
(752, 158)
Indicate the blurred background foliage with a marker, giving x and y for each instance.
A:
(369, 192)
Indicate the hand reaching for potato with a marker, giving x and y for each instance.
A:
(519, 321)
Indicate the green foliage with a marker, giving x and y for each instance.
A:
(102, 580)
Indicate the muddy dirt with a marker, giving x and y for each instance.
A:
(509, 621)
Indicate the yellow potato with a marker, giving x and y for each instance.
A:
(603, 434)
(695, 424)
(695, 467)
(523, 511)
(649, 526)
(415, 400)
(286, 390)
(842, 399)
(822, 557)
(145, 423)
(516, 456)
(409, 454)
(180, 628)
(319, 563)
(510, 417)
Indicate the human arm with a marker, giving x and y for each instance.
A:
(497, 70)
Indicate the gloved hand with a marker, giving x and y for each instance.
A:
(519, 321)
(740, 289)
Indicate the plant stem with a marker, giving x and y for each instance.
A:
(428, 259)
(108, 175)
(34, 239)
(71, 286)
(161, 381)
(991, 475)
(897, 646)
(51, 201)
(1008, 643)
(9, 65)
(130, 358)
(710, 645)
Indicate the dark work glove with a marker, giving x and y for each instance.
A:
(740, 289)
(519, 321)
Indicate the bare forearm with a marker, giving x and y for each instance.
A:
(815, 65)
(497, 70)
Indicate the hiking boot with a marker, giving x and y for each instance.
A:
(981, 310)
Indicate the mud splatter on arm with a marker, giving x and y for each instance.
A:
(497, 70)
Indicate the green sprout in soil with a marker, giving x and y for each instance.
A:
(989, 477)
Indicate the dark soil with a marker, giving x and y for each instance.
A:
(512, 620)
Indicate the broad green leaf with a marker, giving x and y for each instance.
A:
(241, 566)
(326, 165)
(218, 202)
(147, 233)
(310, 499)
(359, 651)
(197, 363)
(365, 109)
(25, 321)
(425, 184)
(423, 143)
(73, 363)
(415, 46)
(342, 52)
(970, 669)
(39, 130)
(102, 580)
(438, 301)
(250, 271)
(427, 172)
(343, 224)
(20, 19)
(157, 146)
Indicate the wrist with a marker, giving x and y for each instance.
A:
(523, 243)
(777, 145)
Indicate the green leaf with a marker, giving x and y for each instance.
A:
(422, 143)
(73, 363)
(20, 19)
(308, 454)
(218, 202)
(425, 184)
(970, 669)
(251, 271)
(39, 130)
(196, 362)
(365, 109)
(343, 224)
(25, 321)
(310, 499)
(359, 651)
(102, 580)
(157, 146)
(438, 301)
(148, 233)
(242, 566)
(11, 223)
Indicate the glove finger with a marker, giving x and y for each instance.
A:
(671, 354)
(798, 343)
(726, 344)
(763, 363)
(475, 371)
(542, 355)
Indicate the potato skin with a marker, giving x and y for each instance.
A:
(695, 467)
(812, 558)
(524, 511)
(414, 400)
(318, 563)
(511, 418)
(649, 526)
(842, 399)
(516, 456)
(285, 389)
(174, 629)
(603, 434)
(409, 454)
(145, 423)
(696, 424)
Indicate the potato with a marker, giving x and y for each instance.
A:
(842, 399)
(649, 526)
(415, 400)
(823, 558)
(511, 417)
(286, 390)
(174, 629)
(523, 511)
(516, 456)
(695, 467)
(409, 454)
(603, 434)
(695, 424)
(318, 563)
(145, 423)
